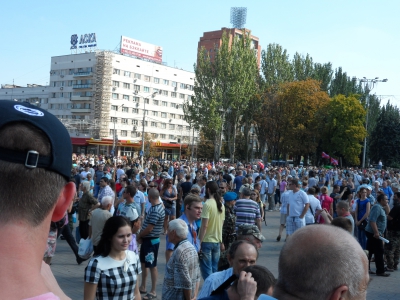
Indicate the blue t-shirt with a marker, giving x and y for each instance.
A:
(238, 181)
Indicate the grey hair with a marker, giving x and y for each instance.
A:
(335, 260)
(106, 201)
(180, 228)
(86, 185)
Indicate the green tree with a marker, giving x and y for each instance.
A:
(385, 139)
(276, 66)
(344, 128)
(223, 84)
(323, 73)
(303, 67)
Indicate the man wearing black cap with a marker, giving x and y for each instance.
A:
(35, 159)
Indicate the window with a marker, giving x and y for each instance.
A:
(138, 76)
(174, 83)
(125, 109)
(166, 82)
(173, 105)
(189, 97)
(133, 133)
(180, 106)
(163, 125)
(60, 106)
(124, 121)
(124, 133)
(114, 120)
(183, 86)
(146, 100)
(156, 102)
(135, 122)
(145, 123)
(171, 137)
(112, 132)
(135, 99)
(153, 124)
(114, 107)
(181, 117)
(155, 90)
(115, 83)
(171, 126)
(187, 128)
(146, 89)
(163, 115)
(116, 71)
(126, 85)
(155, 113)
(136, 87)
(165, 93)
(180, 127)
(146, 78)
(173, 94)
(172, 116)
(164, 103)
(135, 110)
(71, 71)
(69, 82)
(125, 97)
(156, 80)
(114, 95)
(182, 96)
(127, 73)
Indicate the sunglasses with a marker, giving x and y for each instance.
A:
(152, 186)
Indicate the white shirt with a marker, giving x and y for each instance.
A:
(264, 186)
(213, 281)
(297, 201)
(314, 205)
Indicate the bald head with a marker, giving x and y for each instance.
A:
(326, 255)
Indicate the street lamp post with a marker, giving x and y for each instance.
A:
(144, 116)
(369, 84)
(115, 136)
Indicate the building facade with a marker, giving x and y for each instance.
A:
(212, 40)
(102, 98)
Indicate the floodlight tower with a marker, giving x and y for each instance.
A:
(238, 17)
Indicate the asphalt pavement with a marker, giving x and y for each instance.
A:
(70, 275)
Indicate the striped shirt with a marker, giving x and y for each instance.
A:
(155, 216)
(247, 211)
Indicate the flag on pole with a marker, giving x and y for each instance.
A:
(324, 155)
(334, 161)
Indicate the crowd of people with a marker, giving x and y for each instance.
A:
(209, 213)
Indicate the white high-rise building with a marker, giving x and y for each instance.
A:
(102, 97)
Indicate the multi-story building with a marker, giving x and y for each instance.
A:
(102, 98)
(212, 40)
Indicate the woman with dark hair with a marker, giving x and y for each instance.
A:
(112, 272)
(210, 235)
(169, 194)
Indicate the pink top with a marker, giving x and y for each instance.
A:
(282, 186)
(326, 202)
(47, 296)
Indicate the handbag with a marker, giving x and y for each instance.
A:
(363, 225)
(168, 204)
(85, 248)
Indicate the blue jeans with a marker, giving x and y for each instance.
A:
(362, 238)
(210, 258)
(96, 190)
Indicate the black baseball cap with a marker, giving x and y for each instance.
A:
(60, 160)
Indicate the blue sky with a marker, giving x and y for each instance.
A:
(360, 36)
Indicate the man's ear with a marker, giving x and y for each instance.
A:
(340, 293)
(63, 201)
